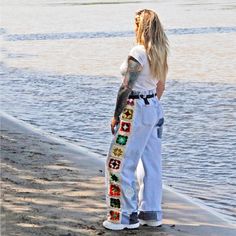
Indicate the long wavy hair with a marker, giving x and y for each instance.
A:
(150, 33)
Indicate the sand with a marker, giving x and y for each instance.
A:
(52, 187)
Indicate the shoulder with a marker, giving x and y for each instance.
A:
(138, 52)
(139, 49)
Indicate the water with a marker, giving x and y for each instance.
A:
(60, 72)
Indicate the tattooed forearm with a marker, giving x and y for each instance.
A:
(126, 87)
(122, 96)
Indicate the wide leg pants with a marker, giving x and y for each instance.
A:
(135, 151)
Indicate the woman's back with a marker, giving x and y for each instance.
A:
(145, 80)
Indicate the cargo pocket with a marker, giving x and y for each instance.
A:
(160, 127)
(148, 115)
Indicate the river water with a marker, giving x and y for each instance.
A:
(60, 72)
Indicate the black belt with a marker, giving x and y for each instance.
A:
(144, 97)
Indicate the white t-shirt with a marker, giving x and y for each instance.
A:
(145, 80)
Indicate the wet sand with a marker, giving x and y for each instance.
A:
(51, 187)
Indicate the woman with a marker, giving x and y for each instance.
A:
(137, 126)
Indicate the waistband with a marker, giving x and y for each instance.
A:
(143, 96)
(144, 92)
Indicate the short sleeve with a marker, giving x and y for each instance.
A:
(138, 53)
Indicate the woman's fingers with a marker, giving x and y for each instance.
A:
(112, 129)
(114, 123)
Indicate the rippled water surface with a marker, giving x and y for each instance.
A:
(62, 75)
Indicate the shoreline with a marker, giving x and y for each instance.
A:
(182, 214)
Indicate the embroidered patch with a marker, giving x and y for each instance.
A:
(114, 215)
(117, 151)
(114, 190)
(130, 102)
(115, 202)
(125, 126)
(114, 164)
(121, 139)
(127, 114)
(114, 177)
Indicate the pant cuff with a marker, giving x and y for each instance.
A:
(150, 215)
(129, 219)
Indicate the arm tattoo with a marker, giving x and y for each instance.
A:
(126, 87)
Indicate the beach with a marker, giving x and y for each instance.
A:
(52, 187)
(60, 72)
(59, 76)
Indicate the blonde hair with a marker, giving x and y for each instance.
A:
(151, 34)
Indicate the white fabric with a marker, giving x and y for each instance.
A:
(145, 80)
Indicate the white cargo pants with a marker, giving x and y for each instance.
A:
(136, 146)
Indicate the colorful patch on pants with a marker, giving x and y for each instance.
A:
(130, 102)
(117, 151)
(114, 190)
(114, 164)
(114, 177)
(114, 215)
(127, 114)
(114, 202)
(115, 160)
(121, 139)
(125, 126)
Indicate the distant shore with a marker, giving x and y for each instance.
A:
(51, 187)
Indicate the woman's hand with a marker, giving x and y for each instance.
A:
(114, 123)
